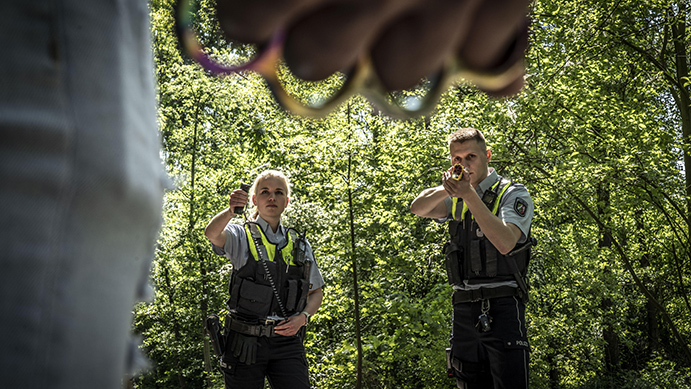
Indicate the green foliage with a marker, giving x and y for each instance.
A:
(600, 138)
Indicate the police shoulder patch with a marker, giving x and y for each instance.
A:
(520, 206)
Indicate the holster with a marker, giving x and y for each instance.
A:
(213, 330)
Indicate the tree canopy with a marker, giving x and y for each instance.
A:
(600, 137)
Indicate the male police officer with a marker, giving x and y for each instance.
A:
(486, 259)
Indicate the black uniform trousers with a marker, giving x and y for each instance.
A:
(280, 358)
(497, 358)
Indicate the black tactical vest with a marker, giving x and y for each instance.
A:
(253, 290)
(471, 256)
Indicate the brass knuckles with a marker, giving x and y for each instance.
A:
(263, 63)
(362, 78)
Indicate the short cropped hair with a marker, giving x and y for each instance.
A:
(466, 134)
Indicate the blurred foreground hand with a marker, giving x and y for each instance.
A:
(406, 39)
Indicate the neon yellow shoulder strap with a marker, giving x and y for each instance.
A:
(254, 233)
(495, 208)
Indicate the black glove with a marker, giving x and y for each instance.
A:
(245, 348)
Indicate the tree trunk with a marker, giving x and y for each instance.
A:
(204, 305)
(653, 327)
(684, 101)
(176, 327)
(652, 324)
(609, 317)
(353, 259)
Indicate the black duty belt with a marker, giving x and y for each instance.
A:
(266, 328)
(465, 296)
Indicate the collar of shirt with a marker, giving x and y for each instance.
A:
(487, 182)
(276, 237)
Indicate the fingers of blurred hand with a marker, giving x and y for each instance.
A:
(514, 53)
(331, 38)
(255, 21)
(496, 26)
(509, 90)
(418, 42)
(408, 39)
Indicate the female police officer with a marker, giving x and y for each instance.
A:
(275, 288)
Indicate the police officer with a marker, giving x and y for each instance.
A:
(486, 259)
(275, 287)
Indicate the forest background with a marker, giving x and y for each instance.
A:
(601, 137)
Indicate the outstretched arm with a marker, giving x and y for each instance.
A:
(215, 230)
(430, 203)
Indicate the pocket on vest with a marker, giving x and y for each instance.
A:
(255, 299)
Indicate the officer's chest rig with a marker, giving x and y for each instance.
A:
(274, 282)
(472, 257)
